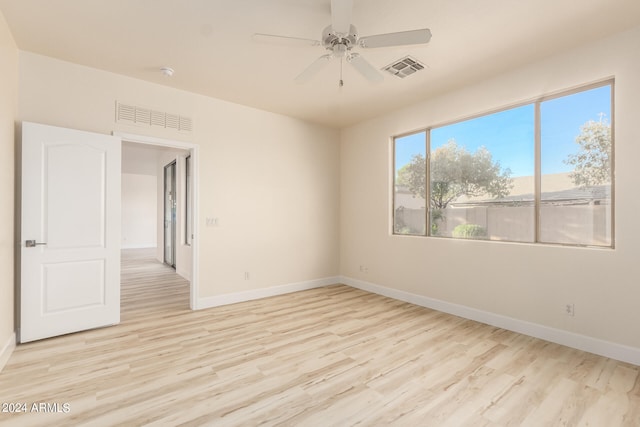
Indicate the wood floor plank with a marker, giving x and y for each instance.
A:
(328, 356)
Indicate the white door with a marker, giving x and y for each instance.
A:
(70, 234)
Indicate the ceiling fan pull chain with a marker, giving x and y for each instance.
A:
(341, 81)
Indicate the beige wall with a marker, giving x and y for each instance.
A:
(139, 196)
(139, 211)
(527, 282)
(272, 181)
(8, 103)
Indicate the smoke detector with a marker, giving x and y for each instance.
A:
(167, 71)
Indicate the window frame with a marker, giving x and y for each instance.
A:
(537, 103)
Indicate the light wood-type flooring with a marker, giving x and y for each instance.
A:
(333, 356)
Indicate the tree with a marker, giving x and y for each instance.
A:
(592, 162)
(456, 172)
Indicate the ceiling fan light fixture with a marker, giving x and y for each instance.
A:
(339, 50)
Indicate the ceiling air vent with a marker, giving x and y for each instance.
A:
(141, 116)
(404, 67)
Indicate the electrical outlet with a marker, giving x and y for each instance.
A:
(364, 269)
(569, 309)
(246, 275)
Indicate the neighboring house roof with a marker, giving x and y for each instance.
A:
(558, 189)
(574, 196)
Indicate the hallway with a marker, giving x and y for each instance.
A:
(149, 288)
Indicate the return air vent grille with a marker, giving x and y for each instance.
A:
(404, 67)
(148, 117)
(143, 116)
(158, 118)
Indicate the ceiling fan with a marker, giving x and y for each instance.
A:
(341, 37)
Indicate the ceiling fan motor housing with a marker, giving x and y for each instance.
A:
(331, 39)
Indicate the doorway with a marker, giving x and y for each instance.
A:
(170, 208)
(175, 250)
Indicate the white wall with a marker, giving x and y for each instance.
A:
(529, 283)
(140, 159)
(272, 181)
(139, 211)
(8, 104)
(139, 195)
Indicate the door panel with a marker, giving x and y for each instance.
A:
(73, 285)
(70, 272)
(64, 209)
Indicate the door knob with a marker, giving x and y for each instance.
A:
(33, 243)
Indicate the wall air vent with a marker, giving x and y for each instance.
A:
(142, 116)
(404, 67)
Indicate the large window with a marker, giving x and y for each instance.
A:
(540, 172)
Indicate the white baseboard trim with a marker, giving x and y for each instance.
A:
(581, 342)
(7, 350)
(218, 300)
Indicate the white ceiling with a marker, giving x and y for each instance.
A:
(209, 44)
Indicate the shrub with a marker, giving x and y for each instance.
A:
(469, 231)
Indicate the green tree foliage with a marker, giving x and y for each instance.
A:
(456, 172)
(592, 163)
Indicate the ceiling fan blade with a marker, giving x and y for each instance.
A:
(313, 69)
(341, 11)
(284, 40)
(396, 39)
(364, 68)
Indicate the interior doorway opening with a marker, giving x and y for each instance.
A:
(159, 203)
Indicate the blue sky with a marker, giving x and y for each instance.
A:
(509, 135)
